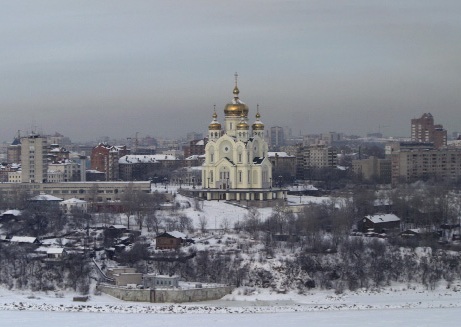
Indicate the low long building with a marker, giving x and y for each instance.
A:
(86, 191)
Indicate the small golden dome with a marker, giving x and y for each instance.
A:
(242, 126)
(214, 125)
(258, 124)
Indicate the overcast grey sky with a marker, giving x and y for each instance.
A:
(93, 68)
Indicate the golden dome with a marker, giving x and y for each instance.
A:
(242, 125)
(214, 125)
(258, 124)
(236, 108)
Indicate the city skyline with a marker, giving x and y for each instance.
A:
(90, 69)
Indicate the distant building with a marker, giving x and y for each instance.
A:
(424, 130)
(105, 157)
(315, 157)
(373, 168)
(14, 151)
(276, 137)
(74, 204)
(88, 191)
(34, 164)
(55, 176)
(144, 167)
(70, 170)
(283, 165)
(195, 147)
(57, 153)
(409, 165)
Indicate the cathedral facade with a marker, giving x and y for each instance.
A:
(236, 164)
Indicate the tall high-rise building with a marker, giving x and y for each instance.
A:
(424, 130)
(34, 164)
(277, 137)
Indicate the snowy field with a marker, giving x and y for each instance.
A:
(220, 213)
(414, 307)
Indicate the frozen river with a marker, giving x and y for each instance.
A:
(378, 318)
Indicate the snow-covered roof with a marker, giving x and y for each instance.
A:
(117, 226)
(13, 212)
(73, 200)
(54, 251)
(195, 157)
(201, 142)
(177, 234)
(56, 241)
(303, 188)
(279, 154)
(140, 158)
(23, 239)
(45, 197)
(382, 218)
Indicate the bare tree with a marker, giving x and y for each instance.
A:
(203, 223)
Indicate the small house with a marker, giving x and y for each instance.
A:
(421, 233)
(10, 215)
(74, 204)
(170, 240)
(379, 223)
(55, 253)
(125, 279)
(160, 281)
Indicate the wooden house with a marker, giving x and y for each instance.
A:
(170, 240)
(379, 223)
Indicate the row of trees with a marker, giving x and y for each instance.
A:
(21, 269)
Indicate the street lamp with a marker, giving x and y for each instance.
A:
(227, 182)
(280, 180)
(270, 183)
(208, 182)
(180, 183)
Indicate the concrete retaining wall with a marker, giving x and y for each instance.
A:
(126, 294)
(189, 295)
(165, 295)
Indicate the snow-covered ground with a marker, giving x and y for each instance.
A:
(414, 307)
(221, 213)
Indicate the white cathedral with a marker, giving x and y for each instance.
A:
(236, 164)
